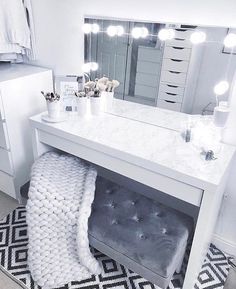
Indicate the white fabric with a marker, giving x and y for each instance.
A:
(15, 34)
(60, 196)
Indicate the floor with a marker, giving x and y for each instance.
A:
(7, 205)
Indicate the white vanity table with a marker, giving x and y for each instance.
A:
(156, 156)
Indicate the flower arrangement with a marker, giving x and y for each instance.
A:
(95, 88)
(51, 96)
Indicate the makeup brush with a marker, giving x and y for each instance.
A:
(115, 83)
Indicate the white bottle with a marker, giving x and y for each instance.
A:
(221, 113)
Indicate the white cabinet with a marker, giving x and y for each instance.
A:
(20, 98)
(174, 71)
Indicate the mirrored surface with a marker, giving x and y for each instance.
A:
(174, 74)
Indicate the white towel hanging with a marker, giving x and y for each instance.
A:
(15, 34)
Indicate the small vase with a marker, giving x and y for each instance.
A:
(82, 106)
(96, 105)
(107, 99)
(54, 109)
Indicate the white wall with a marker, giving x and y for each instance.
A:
(60, 46)
(214, 67)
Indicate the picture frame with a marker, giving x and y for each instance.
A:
(66, 86)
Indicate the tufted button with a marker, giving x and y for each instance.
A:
(114, 222)
(108, 191)
(142, 236)
(164, 231)
(137, 218)
(133, 203)
(112, 205)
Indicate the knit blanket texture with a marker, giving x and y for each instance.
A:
(61, 192)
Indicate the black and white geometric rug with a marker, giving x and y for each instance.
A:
(13, 259)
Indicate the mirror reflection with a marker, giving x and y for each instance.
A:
(177, 67)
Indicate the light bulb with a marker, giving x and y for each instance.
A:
(198, 37)
(144, 32)
(95, 28)
(166, 34)
(136, 32)
(94, 66)
(86, 67)
(111, 30)
(120, 30)
(221, 87)
(87, 28)
(230, 40)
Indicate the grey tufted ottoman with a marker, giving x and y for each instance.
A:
(143, 235)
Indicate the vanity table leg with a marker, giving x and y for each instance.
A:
(205, 226)
(38, 147)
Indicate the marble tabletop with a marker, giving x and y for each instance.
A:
(139, 140)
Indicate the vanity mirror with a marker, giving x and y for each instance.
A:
(172, 66)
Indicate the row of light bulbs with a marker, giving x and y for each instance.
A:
(164, 34)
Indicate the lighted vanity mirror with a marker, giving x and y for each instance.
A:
(170, 66)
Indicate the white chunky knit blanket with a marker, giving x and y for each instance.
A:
(60, 196)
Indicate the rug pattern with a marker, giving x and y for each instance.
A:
(13, 258)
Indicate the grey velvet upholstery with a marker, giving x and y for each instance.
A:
(142, 234)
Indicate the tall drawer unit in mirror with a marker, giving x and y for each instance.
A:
(174, 70)
(20, 98)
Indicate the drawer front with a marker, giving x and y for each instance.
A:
(177, 53)
(170, 105)
(173, 77)
(170, 96)
(175, 65)
(6, 162)
(183, 33)
(2, 116)
(7, 184)
(171, 88)
(179, 43)
(4, 143)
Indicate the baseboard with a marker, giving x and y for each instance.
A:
(224, 245)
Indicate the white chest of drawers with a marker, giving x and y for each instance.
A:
(20, 98)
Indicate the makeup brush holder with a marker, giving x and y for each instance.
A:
(82, 106)
(54, 109)
(107, 99)
(96, 105)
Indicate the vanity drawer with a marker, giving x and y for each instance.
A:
(2, 116)
(4, 143)
(7, 184)
(183, 33)
(6, 162)
(173, 77)
(175, 65)
(170, 96)
(179, 43)
(174, 52)
(165, 87)
(170, 105)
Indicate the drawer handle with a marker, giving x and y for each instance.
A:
(180, 48)
(174, 86)
(169, 93)
(181, 30)
(169, 101)
(176, 60)
(179, 39)
(175, 72)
